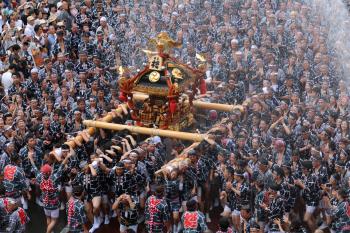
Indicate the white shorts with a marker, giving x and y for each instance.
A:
(227, 209)
(68, 189)
(123, 228)
(233, 212)
(105, 199)
(236, 213)
(310, 209)
(52, 213)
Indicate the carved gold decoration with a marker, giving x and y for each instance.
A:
(200, 57)
(154, 76)
(177, 73)
(163, 42)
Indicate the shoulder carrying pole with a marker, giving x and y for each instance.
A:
(147, 131)
(91, 130)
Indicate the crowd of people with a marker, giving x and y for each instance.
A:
(281, 165)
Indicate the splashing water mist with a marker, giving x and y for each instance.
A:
(335, 17)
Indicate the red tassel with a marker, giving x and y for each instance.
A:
(203, 87)
(133, 115)
(122, 97)
(172, 106)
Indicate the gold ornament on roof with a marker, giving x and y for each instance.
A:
(200, 57)
(202, 62)
(154, 76)
(177, 73)
(121, 70)
(164, 43)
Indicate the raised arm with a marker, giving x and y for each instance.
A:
(106, 157)
(31, 159)
(104, 168)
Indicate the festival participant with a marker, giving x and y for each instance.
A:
(49, 182)
(309, 183)
(240, 189)
(224, 226)
(121, 179)
(15, 182)
(142, 177)
(128, 207)
(286, 189)
(193, 220)
(172, 196)
(76, 215)
(249, 223)
(190, 179)
(339, 213)
(157, 213)
(89, 178)
(275, 208)
(4, 213)
(9, 149)
(31, 147)
(17, 217)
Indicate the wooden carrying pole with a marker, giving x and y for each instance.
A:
(218, 107)
(91, 130)
(200, 104)
(147, 131)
